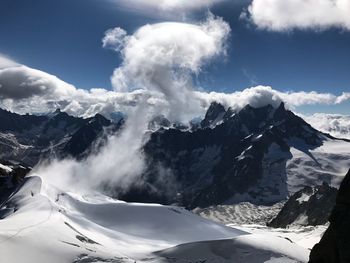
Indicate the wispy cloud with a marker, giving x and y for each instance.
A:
(166, 7)
(284, 15)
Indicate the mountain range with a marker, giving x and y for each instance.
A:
(267, 165)
(257, 155)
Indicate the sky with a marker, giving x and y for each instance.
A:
(310, 52)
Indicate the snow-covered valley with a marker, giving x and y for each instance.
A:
(41, 223)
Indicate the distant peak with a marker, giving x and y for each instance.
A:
(282, 106)
(58, 110)
(214, 114)
(215, 107)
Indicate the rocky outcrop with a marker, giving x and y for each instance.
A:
(11, 176)
(310, 206)
(334, 246)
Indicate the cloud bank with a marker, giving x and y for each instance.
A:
(335, 124)
(283, 15)
(26, 90)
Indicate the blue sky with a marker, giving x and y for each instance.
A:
(63, 38)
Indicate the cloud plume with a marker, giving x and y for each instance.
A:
(277, 15)
(153, 63)
(118, 164)
(162, 58)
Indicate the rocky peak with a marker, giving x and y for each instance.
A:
(214, 114)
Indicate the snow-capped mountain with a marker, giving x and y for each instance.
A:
(257, 155)
(260, 156)
(28, 138)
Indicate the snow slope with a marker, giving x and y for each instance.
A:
(48, 225)
(305, 237)
(255, 248)
(241, 213)
(329, 163)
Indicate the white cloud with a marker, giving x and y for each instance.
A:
(166, 7)
(20, 82)
(262, 95)
(162, 58)
(344, 97)
(6, 62)
(23, 89)
(335, 124)
(281, 15)
(52, 93)
(26, 90)
(114, 38)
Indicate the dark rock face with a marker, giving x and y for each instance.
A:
(87, 134)
(10, 180)
(215, 113)
(28, 138)
(334, 246)
(209, 165)
(309, 206)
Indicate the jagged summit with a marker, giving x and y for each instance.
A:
(214, 115)
(217, 114)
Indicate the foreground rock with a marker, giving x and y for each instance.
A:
(11, 177)
(310, 206)
(334, 246)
